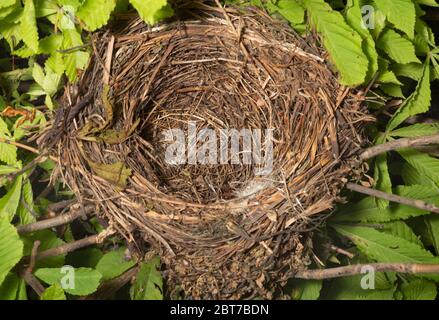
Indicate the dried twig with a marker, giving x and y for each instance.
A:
(399, 144)
(410, 268)
(393, 197)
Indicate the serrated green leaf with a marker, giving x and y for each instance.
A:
(423, 163)
(432, 223)
(366, 210)
(96, 13)
(85, 281)
(402, 230)
(9, 202)
(397, 47)
(48, 240)
(342, 42)
(113, 264)
(392, 90)
(382, 176)
(409, 70)
(8, 152)
(416, 130)
(73, 60)
(419, 289)
(418, 102)
(11, 248)
(291, 10)
(54, 292)
(149, 283)
(152, 11)
(6, 3)
(354, 17)
(349, 288)
(401, 13)
(383, 247)
(307, 289)
(29, 30)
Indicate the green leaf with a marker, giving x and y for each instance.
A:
(48, 240)
(96, 13)
(307, 289)
(353, 18)
(402, 230)
(24, 212)
(8, 152)
(432, 223)
(383, 247)
(9, 202)
(113, 264)
(29, 31)
(349, 288)
(409, 70)
(54, 292)
(10, 286)
(418, 102)
(85, 281)
(342, 42)
(11, 248)
(366, 210)
(398, 48)
(392, 90)
(419, 289)
(416, 130)
(152, 11)
(74, 60)
(149, 283)
(6, 3)
(291, 11)
(423, 163)
(401, 13)
(382, 176)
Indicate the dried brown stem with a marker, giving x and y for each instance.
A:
(393, 197)
(410, 268)
(399, 144)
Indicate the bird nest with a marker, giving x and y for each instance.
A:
(231, 224)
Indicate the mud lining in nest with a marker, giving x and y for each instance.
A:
(221, 230)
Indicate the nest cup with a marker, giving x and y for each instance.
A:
(223, 230)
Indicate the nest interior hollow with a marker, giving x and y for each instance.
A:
(221, 230)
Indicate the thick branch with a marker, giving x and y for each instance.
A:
(393, 197)
(53, 222)
(363, 268)
(399, 144)
(72, 246)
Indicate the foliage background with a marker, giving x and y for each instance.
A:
(45, 43)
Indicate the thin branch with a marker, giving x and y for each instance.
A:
(107, 289)
(342, 251)
(53, 222)
(72, 246)
(27, 275)
(399, 144)
(393, 197)
(19, 145)
(363, 268)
